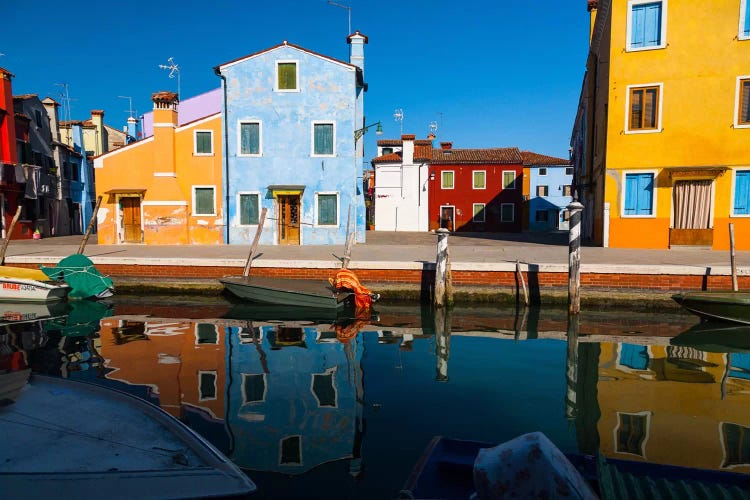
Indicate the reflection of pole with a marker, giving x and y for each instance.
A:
(442, 342)
(356, 465)
(443, 285)
(571, 368)
(574, 258)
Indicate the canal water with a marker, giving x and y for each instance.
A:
(313, 406)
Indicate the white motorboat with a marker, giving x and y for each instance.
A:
(18, 284)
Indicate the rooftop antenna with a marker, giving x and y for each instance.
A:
(130, 111)
(349, 12)
(398, 115)
(433, 130)
(65, 97)
(174, 69)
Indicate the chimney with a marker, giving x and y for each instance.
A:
(50, 105)
(165, 123)
(132, 130)
(97, 119)
(446, 146)
(593, 6)
(357, 43)
(407, 151)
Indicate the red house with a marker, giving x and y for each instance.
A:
(476, 190)
(11, 192)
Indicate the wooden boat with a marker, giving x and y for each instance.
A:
(18, 284)
(446, 469)
(718, 306)
(63, 438)
(287, 292)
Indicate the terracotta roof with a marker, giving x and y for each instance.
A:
(422, 152)
(389, 158)
(25, 96)
(487, 155)
(99, 111)
(531, 159)
(399, 142)
(163, 97)
(357, 33)
(82, 123)
(593, 4)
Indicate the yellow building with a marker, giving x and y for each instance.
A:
(165, 189)
(661, 139)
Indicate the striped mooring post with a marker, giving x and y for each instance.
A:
(574, 258)
(571, 368)
(443, 286)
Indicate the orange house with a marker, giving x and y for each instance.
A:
(165, 189)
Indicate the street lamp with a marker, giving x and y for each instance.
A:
(360, 132)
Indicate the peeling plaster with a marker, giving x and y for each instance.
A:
(202, 223)
(102, 215)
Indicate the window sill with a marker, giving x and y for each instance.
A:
(203, 215)
(742, 125)
(323, 156)
(250, 155)
(642, 49)
(286, 91)
(203, 154)
(644, 131)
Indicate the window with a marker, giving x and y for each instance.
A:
(743, 102)
(249, 209)
(744, 20)
(479, 179)
(250, 139)
(542, 170)
(205, 333)
(291, 451)
(204, 200)
(741, 192)
(206, 385)
(38, 115)
(542, 216)
(327, 206)
(323, 134)
(286, 76)
(646, 24)
(639, 194)
(542, 190)
(387, 151)
(253, 388)
(478, 212)
(568, 170)
(204, 140)
(446, 179)
(567, 190)
(507, 211)
(736, 444)
(509, 179)
(643, 108)
(632, 433)
(324, 389)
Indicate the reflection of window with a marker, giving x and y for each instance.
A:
(207, 385)
(542, 216)
(634, 356)
(205, 333)
(249, 335)
(479, 179)
(253, 388)
(507, 212)
(631, 433)
(542, 190)
(324, 389)
(446, 179)
(567, 191)
(736, 441)
(478, 212)
(568, 170)
(566, 214)
(740, 367)
(291, 450)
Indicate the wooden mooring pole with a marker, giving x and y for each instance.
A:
(443, 284)
(90, 226)
(7, 235)
(519, 275)
(349, 241)
(735, 287)
(574, 258)
(249, 262)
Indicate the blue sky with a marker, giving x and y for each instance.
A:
(490, 73)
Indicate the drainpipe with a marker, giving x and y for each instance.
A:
(226, 155)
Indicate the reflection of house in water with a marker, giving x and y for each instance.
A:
(295, 397)
(674, 405)
(182, 362)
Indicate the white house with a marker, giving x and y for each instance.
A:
(401, 184)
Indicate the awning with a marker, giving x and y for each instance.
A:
(288, 189)
(696, 172)
(126, 191)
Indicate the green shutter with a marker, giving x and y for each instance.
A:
(250, 138)
(479, 180)
(204, 201)
(203, 143)
(327, 209)
(249, 209)
(447, 180)
(287, 76)
(323, 136)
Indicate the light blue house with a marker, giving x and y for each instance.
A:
(550, 191)
(82, 187)
(290, 117)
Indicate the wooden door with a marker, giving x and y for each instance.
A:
(131, 219)
(447, 217)
(289, 219)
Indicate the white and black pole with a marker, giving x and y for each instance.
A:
(443, 285)
(574, 257)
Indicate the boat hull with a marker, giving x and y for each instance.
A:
(722, 306)
(28, 290)
(287, 292)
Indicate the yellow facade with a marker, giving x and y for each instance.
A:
(683, 404)
(695, 69)
(149, 187)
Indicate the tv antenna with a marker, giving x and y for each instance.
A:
(129, 111)
(433, 130)
(65, 97)
(174, 69)
(348, 10)
(398, 115)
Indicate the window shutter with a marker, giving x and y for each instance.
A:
(203, 142)
(637, 26)
(745, 105)
(287, 76)
(742, 193)
(249, 209)
(323, 139)
(204, 201)
(652, 24)
(250, 139)
(747, 18)
(645, 191)
(631, 193)
(327, 209)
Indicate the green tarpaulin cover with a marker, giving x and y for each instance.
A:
(84, 279)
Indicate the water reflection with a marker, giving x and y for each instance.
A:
(355, 400)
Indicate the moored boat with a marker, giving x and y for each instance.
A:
(717, 305)
(18, 284)
(61, 438)
(283, 291)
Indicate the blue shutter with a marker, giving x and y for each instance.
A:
(747, 19)
(645, 194)
(742, 193)
(740, 367)
(645, 25)
(323, 139)
(634, 356)
(250, 138)
(631, 194)
(637, 26)
(653, 24)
